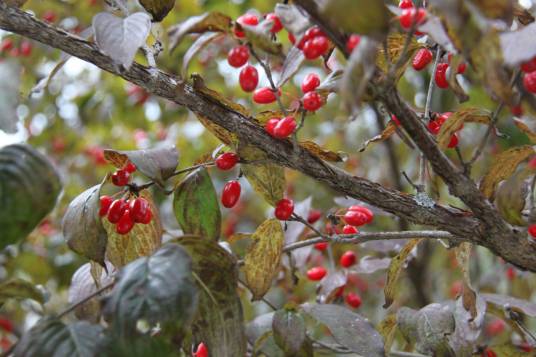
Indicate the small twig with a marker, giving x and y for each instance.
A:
(86, 299)
(263, 299)
(402, 58)
(300, 219)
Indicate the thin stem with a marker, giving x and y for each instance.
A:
(300, 219)
(263, 299)
(431, 85)
(86, 299)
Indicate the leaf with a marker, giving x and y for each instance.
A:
(349, 329)
(196, 205)
(292, 19)
(158, 8)
(524, 128)
(509, 350)
(394, 270)
(389, 130)
(219, 322)
(158, 164)
(268, 180)
(434, 324)
(200, 43)
(10, 73)
(320, 152)
(121, 38)
(20, 289)
(518, 46)
(51, 337)
(259, 334)
(457, 119)
(263, 258)
(364, 17)
(522, 14)
(330, 84)
(503, 167)
(290, 333)
(452, 79)
(224, 135)
(387, 329)
(369, 265)
(468, 329)
(159, 288)
(212, 95)
(259, 37)
(207, 22)
(330, 285)
(526, 307)
(511, 195)
(434, 28)
(396, 44)
(292, 64)
(82, 226)
(141, 241)
(463, 254)
(29, 188)
(496, 9)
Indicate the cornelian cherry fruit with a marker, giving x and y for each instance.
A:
(125, 223)
(405, 4)
(352, 42)
(138, 208)
(26, 48)
(264, 95)
(249, 78)
(353, 300)
(105, 202)
(315, 47)
(277, 25)
(453, 141)
(411, 15)
(246, 19)
(313, 216)
(321, 246)
(226, 161)
(284, 128)
(284, 209)
(488, 352)
(238, 56)
(348, 229)
(440, 75)
(231, 194)
(310, 82)
(312, 101)
(364, 210)
(120, 177)
(316, 273)
(529, 82)
(532, 231)
(355, 218)
(529, 66)
(116, 210)
(495, 327)
(348, 259)
(270, 125)
(6, 45)
(422, 58)
(201, 351)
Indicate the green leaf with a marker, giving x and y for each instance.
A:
(159, 288)
(82, 226)
(52, 338)
(219, 322)
(140, 346)
(264, 256)
(20, 289)
(29, 188)
(290, 333)
(196, 205)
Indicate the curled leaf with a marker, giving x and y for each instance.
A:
(456, 121)
(320, 152)
(463, 254)
(20, 289)
(207, 22)
(389, 130)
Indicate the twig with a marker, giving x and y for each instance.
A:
(86, 299)
(263, 299)
(431, 85)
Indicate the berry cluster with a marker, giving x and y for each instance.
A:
(121, 177)
(313, 44)
(411, 15)
(529, 79)
(23, 50)
(422, 59)
(125, 213)
(434, 126)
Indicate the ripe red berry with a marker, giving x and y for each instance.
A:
(443, 117)
(284, 128)
(226, 161)
(313, 32)
(348, 259)
(291, 38)
(125, 223)
(138, 208)
(441, 75)
(411, 15)
(231, 194)
(511, 273)
(321, 246)
(313, 216)
(26, 48)
(364, 210)
(525, 347)
(105, 202)
(238, 56)
(315, 47)
(249, 78)
(270, 125)
(353, 300)
(517, 110)
(284, 209)
(310, 82)
(532, 231)
(201, 351)
(316, 273)
(147, 218)
(453, 141)
(462, 67)
(348, 229)
(434, 127)
(312, 101)
(456, 289)
(130, 167)
(277, 25)
(529, 66)
(120, 177)
(246, 19)
(422, 58)
(488, 352)
(352, 42)
(395, 120)
(6, 45)
(49, 16)
(355, 218)
(495, 327)
(116, 210)
(405, 4)
(264, 95)
(529, 81)
(6, 325)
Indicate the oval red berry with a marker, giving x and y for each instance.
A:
(226, 161)
(284, 128)
(310, 82)
(238, 56)
(316, 273)
(231, 194)
(284, 209)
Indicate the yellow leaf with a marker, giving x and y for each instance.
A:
(320, 152)
(394, 270)
(238, 237)
(503, 167)
(224, 135)
(510, 197)
(524, 128)
(387, 329)
(395, 47)
(266, 115)
(263, 258)
(456, 121)
(385, 134)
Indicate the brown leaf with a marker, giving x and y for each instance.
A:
(456, 121)
(263, 258)
(207, 22)
(496, 9)
(389, 130)
(238, 237)
(224, 135)
(203, 90)
(387, 329)
(266, 115)
(463, 255)
(524, 128)
(503, 167)
(453, 81)
(522, 14)
(395, 268)
(320, 152)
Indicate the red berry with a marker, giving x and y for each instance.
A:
(453, 141)
(532, 231)
(310, 82)
(130, 167)
(313, 32)
(284, 128)
(321, 246)
(284, 209)
(26, 48)
(120, 177)
(529, 66)
(6, 45)
(246, 19)
(277, 25)
(348, 259)
(441, 76)
(105, 202)
(264, 95)
(348, 229)
(422, 58)
(315, 47)
(353, 300)
(525, 347)
(352, 42)
(313, 216)
(138, 208)
(147, 218)
(49, 16)
(443, 117)
(411, 15)
(517, 110)
(6, 325)
(125, 223)
(456, 289)
(434, 127)
(395, 120)
(312, 101)
(462, 67)
(116, 210)
(316, 273)
(238, 56)
(291, 38)
(201, 351)
(488, 352)
(270, 125)
(405, 4)
(495, 327)
(231, 194)
(227, 161)
(249, 78)
(364, 210)
(510, 273)
(529, 81)
(355, 218)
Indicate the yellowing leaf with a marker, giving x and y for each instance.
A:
(463, 254)
(266, 115)
(511, 195)
(395, 268)
(210, 21)
(20, 289)
(503, 167)
(389, 130)
(524, 128)
(263, 258)
(456, 121)
(238, 237)
(268, 180)
(224, 135)
(320, 152)
(387, 329)
(395, 47)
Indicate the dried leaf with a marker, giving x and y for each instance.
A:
(320, 152)
(394, 270)
(509, 350)
(524, 128)
(20, 289)
(292, 64)
(207, 22)
(203, 90)
(503, 167)
(200, 43)
(266, 115)
(454, 85)
(224, 135)
(496, 9)
(387, 329)
(395, 48)
(463, 254)
(238, 237)
(457, 119)
(263, 258)
(389, 130)
(522, 14)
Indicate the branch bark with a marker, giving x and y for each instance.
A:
(282, 152)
